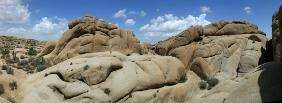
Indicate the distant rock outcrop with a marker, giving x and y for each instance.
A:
(277, 35)
(87, 35)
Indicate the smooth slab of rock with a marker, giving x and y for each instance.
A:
(100, 77)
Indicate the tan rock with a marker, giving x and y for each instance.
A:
(100, 77)
(260, 86)
(88, 35)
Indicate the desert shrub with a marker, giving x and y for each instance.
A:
(23, 62)
(22, 57)
(13, 85)
(5, 67)
(5, 49)
(203, 85)
(40, 64)
(31, 51)
(9, 70)
(40, 68)
(212, 82)
(12, 100)
(107, 91)
(86, 67)
(2, 90)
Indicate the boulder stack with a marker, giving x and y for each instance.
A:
(87, 35)
(231, 47)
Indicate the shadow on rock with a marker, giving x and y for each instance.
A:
(270, 82)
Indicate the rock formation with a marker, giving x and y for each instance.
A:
(230, 47)
(87, 35)
(95, 61)
(277, 34)
(101, 77)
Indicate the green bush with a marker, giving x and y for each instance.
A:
(9, 70)
(86, 67)
(40, 64)
(12, 100)
(31, 51)
(40, 68)
(212, 82)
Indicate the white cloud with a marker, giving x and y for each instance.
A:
(143, 13)
(123, 13)
(120, 14)
(13, 11)
(130, 22)
(205, 9)
(247, 9)
(168, 25)
(46, 28)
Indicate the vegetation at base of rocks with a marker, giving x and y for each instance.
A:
(86, 67)
(107, 91)
(31, 51)
(5, 51)
(203, 85)
(12, 100)
(212, 82)
(2, 90)
(40, 64)
(208, 83)
(13, 85)
(8, 69)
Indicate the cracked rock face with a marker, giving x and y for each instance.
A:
(87, 35)
(106, 77)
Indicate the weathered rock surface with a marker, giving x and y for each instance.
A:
(106, 77)
(277, 35)
(87, 35)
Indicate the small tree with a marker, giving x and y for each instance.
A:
(31, 51)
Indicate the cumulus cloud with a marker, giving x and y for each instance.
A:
(120, 14)
(130, 22)
(205, 9)
(46, 28)
(169, 25)
(247, 9)
(13, 11)
(123, 13)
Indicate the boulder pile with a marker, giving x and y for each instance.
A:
(87, 35)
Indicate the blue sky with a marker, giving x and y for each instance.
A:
(151, 20)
